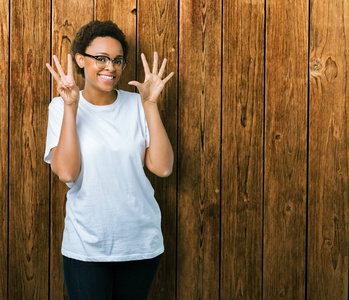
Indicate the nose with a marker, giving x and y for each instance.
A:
(110, 66)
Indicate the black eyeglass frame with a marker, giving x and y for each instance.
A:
(108, 58)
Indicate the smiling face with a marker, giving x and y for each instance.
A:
(96, 79)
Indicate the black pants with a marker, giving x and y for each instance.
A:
(129, 280)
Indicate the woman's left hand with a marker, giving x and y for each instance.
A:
(153, 83)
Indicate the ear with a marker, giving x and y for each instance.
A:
(80, 60)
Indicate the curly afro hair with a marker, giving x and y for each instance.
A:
(89, 32)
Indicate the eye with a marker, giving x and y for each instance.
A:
(118, 61)
(101, 59)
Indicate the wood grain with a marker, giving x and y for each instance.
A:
(65, 24)
(199, 150)
(4, 135)
(29, 175)
(242, 149)
(157, 31)
(124, 14)
(285, 150)
(329, 151)
(246, 227)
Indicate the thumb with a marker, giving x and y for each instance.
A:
(135, 83)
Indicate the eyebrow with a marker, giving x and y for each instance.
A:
(106, 54)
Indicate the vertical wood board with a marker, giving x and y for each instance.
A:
(28, 179)
(199, 149)
(4, 135)
(285, 149)
(242, 149)
(329, 152)
(157, 31)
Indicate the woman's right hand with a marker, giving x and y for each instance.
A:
(67, 87)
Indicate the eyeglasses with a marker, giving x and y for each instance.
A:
(119, 63)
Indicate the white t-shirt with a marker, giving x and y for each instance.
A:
(111, 212)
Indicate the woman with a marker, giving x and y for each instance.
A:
(97, 142)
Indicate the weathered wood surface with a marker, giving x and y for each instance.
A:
(242, 150)
(4, 135)
(328, 152)
(157, 31)
(28, 174)
(257, 205)
(68, 17)
(199, 124)
(285, 184)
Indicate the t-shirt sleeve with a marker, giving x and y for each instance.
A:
(144, 122)
(146, 133)
(55, 118)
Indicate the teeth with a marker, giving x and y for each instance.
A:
(106, 77)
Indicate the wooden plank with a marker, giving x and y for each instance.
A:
(285, 149)
(124, 14)
(328, 151)
(66, 23)
(29, 175)
(242, 149)
(199, 149)
(158, 31)
(58, 200)
(4, 93)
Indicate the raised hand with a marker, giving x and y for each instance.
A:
(153, 83)
(67, 87)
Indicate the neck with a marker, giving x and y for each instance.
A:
(99, 97)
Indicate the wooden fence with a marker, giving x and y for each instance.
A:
(257, 206)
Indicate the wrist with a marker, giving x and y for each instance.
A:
(71, 107)
(148, 103)
(150, 108)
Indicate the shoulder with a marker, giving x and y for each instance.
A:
(56, 103)
(132, 102)
(129, 96)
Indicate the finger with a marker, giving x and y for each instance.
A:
(135, 83)
(155, 63)
(168, 77)
(58, 66)
(70, 66)
(60, 88)
(69, 85)
(54, 74)
(163, 66)
(145, 64)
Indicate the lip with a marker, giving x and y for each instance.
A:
(108, 78)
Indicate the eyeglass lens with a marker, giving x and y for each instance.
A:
(118, 63)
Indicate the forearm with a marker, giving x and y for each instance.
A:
(159, 157)
(65, 158)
